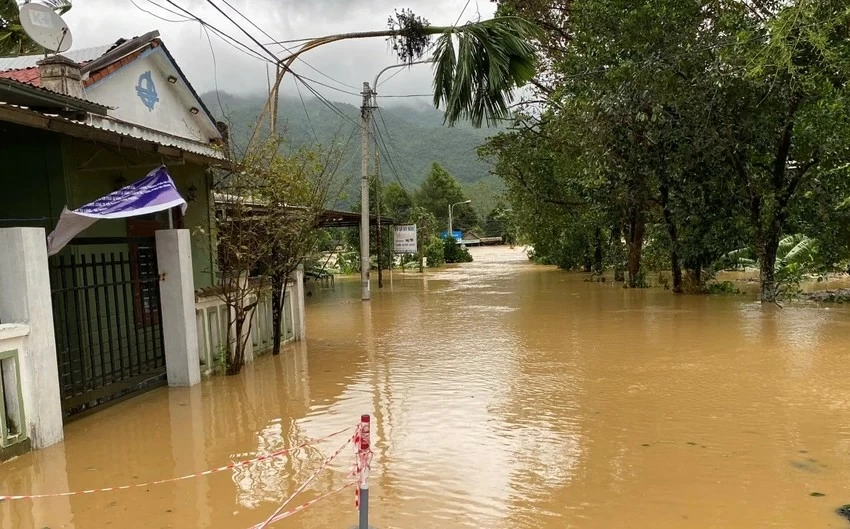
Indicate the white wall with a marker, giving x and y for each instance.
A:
(25, 298)
(170, 114)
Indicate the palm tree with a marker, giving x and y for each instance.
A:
(13, 40)
(477, 65)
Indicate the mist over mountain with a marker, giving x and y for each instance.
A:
(412, 137)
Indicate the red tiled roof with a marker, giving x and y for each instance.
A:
(120, 63)
(26, 75)
(31, 75)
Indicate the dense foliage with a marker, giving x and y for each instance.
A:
(427, 207)
(683, 130)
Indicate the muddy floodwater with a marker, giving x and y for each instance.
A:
(505, 395)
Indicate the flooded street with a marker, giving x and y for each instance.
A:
(504, 395)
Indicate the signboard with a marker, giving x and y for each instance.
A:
(457, 234)
(405, 239)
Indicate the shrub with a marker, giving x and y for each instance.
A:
(454, 252)
(434, 252)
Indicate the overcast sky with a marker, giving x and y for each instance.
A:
(97, 22)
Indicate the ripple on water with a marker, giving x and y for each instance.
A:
(505, 395)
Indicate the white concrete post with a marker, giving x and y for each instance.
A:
(25, 298)
(177, 303)
(299, 319)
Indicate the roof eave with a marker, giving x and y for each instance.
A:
(188, 84)
(42, 95)
(60, 125)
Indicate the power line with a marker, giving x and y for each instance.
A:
(167, 10)
(323, 99)
(151, 13)
(215, 72)
(461, 13)
(264, 32)
(331, 87)
(392, 140)
(386, 154)
(309, 121)
(230, 40)
(243, 30)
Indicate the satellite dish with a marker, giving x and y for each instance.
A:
(45, 27)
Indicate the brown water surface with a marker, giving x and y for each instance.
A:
(505, 395)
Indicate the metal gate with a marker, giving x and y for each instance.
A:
(107, 321)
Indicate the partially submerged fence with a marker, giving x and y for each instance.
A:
(212, 316)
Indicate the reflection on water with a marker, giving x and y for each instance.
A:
(505, 395)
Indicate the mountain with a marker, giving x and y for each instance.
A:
(414, 137)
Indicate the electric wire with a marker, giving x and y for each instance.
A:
(289, 50)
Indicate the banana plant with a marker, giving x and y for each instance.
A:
(13, 39)
(796, 257)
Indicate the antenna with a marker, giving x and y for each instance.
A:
(45, 27)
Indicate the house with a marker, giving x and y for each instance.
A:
(470, 238)
(86, 123)
(73, 128)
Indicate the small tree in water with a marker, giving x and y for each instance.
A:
(267, 225)
(454, 252)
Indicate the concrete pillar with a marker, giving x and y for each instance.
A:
(177, 299)
(299, 320)
(25, 298)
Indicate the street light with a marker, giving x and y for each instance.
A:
(450, 214)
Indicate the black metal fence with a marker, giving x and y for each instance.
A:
(107, 320)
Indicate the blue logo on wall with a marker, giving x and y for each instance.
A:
(147, 90)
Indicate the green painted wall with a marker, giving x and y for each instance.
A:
(95, 170)
(31, 177)
(43, 171)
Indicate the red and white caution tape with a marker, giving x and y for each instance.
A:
(362, 461)
(296, 510)
(230, 466)
(304, 485)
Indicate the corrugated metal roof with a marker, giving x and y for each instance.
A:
(29, 61)
(118, 128)
(154, 136)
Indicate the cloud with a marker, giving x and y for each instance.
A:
(209, 61)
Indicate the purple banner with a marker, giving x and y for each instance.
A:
(155, 192)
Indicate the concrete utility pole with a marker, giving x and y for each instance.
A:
(365, 122)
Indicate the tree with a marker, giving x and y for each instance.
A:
(440, 190)
(238, 231)
(269, 223)
(13, 39)
(297, 189)
(398, 203)
(720, 121)
(785, 116)
(477, 66)
(454, 252)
